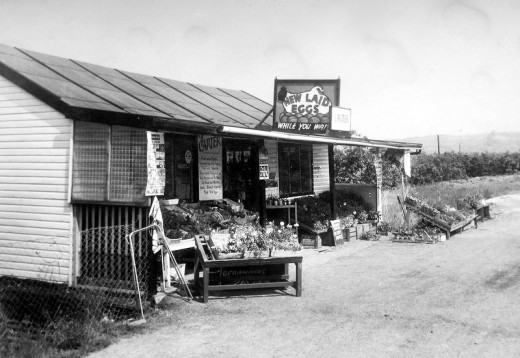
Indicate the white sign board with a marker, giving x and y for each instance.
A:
(210, 167)
(340, 119)
(156, 179)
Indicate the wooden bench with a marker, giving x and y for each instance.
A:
(245, 272)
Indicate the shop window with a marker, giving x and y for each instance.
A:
(295, 169)
(109, 163)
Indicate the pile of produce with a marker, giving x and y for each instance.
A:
(443, 214)
(256, 239)
(314, 211)
(420, 233)
(183, 221)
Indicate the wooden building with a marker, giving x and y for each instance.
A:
(73, 158)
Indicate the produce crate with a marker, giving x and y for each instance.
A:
(350, 233)
(310, 241)
(443, 225)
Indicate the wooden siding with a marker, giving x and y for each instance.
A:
(35, 216)
(320, 157)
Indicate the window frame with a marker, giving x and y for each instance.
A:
(107, 199)
(281, 145)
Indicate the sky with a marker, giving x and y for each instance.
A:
(407, 67)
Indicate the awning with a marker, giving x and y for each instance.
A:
(414, 148)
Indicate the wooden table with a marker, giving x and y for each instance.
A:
(249, 279)
(288, 207)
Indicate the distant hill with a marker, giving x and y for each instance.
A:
(471, 143)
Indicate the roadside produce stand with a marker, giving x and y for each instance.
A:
(243, 273)
(458, 221)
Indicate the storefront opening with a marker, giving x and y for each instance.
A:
(295, 166)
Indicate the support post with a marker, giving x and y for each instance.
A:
(332, 181)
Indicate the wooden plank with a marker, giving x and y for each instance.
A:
(36, 224)
(35, 231)
(15, 95)
(22, 180)
(246, 286)
(50, 114)
(6, 238)
(33, 159)
(33, 202)
(22, 110)
(26, 103)
(18, 153)
(38, 144)
(18, 138)
(36, 123)
(35, 273)
(30, 255)
(34, 195)
(51, 210)
(41, 130)
(34, 166)
(28, 217)
(40, 173)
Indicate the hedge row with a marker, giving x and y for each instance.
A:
(355, 165)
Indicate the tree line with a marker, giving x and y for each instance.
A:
(356, 165)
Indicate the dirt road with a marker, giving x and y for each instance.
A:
(455, 298)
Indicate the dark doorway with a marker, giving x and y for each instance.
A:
(240, 172)
(181, 164)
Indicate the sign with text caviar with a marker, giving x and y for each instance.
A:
(210, 167)
(304, 106)
(156, 178)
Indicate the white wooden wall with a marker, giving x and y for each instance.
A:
(320, 156)
(35, 216)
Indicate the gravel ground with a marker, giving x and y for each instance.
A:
(364, 299)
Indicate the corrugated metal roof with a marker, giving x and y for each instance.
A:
(81, 85)
(105, 94)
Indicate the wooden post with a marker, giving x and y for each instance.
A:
(332, 181)
(261, 202)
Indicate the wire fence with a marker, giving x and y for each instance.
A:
(105, 285)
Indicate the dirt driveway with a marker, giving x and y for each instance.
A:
(455, 298)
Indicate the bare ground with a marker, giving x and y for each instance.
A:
(364, 299)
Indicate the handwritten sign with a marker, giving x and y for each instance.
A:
(210, 167)
(156, 179)
(337, 233)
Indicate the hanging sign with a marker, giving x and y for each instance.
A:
(340, 119)
(156, 178)
(263, 159)
(210, 167)
(304, 106)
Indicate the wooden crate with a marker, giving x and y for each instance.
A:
(310, 241)
(350, 233)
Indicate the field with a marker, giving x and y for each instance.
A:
(447, 193)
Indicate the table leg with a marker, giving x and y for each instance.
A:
(196, 271)
(298, 279)
(205, 280)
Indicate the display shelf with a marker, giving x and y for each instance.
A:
(443, 225)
